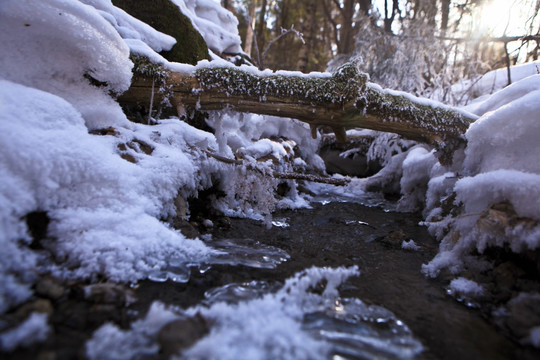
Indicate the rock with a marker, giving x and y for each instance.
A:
(37, 223)
(181, 207)
(47, 355)
(42, 306)
(181, 334)
(49, 288)
(348, 158)
(109, 293)
(524, 314)
(394, 239)
(207, 223)
(164, 16)
(506, 275)
(185, 227)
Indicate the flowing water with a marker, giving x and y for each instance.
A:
(389, 311)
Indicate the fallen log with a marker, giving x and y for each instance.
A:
(342, 100)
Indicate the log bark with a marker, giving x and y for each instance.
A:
(341, 101)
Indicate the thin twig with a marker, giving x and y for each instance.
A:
(151, 103)
(283, 33)
(313, 178)
(255, 43)
(286, 175)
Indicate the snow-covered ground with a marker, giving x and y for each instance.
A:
(108, 216)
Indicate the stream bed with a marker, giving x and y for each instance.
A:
(335, 234)
(387, 310)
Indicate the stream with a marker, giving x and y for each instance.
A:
(385, 308)
(334, 234)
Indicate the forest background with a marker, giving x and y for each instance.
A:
(419, 46)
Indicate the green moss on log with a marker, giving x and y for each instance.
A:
(398, 108)
(343, 87)
(165, 17)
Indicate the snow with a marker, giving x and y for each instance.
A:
(500, 166)
(99, 204)
(465, 287)
(495, 80)
(505, 96)
(218, 26)
(109, 342)
(504, 139)
(410, 245)
(33, 330)
(417, 168)
(263, 328)
(131, 28)
(535, 336)
(64, 40)
(108, 215)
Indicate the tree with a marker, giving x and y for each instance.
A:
(343, 101)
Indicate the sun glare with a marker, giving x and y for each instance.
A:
(503, 17)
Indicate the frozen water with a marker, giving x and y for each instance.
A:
(234, 293)
(247, 252)
(356, 330)
(282, 223)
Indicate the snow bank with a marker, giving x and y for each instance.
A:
(499, 192)
(493, 81)
(60, 61)
(53, 44)
(104, 210)
(131, 28)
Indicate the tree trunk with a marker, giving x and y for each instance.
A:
(344, 100)
(261, 26)
(252, 7)
(309, 36)
(346, 33)
(445, 13)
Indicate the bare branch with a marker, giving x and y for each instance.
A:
(284, 175)
(283, 33)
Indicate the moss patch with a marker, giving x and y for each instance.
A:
(165, 17)
(343, 87)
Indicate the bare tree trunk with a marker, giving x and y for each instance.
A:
(261, 25)
(346, 38)
(309, 36)
(252, 7)
(445, 13)
(389, 17)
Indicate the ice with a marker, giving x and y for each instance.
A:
(305, 318)
(355, 330)
(235, 293)
(247, 252)
(281, 223)
(302, 324)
